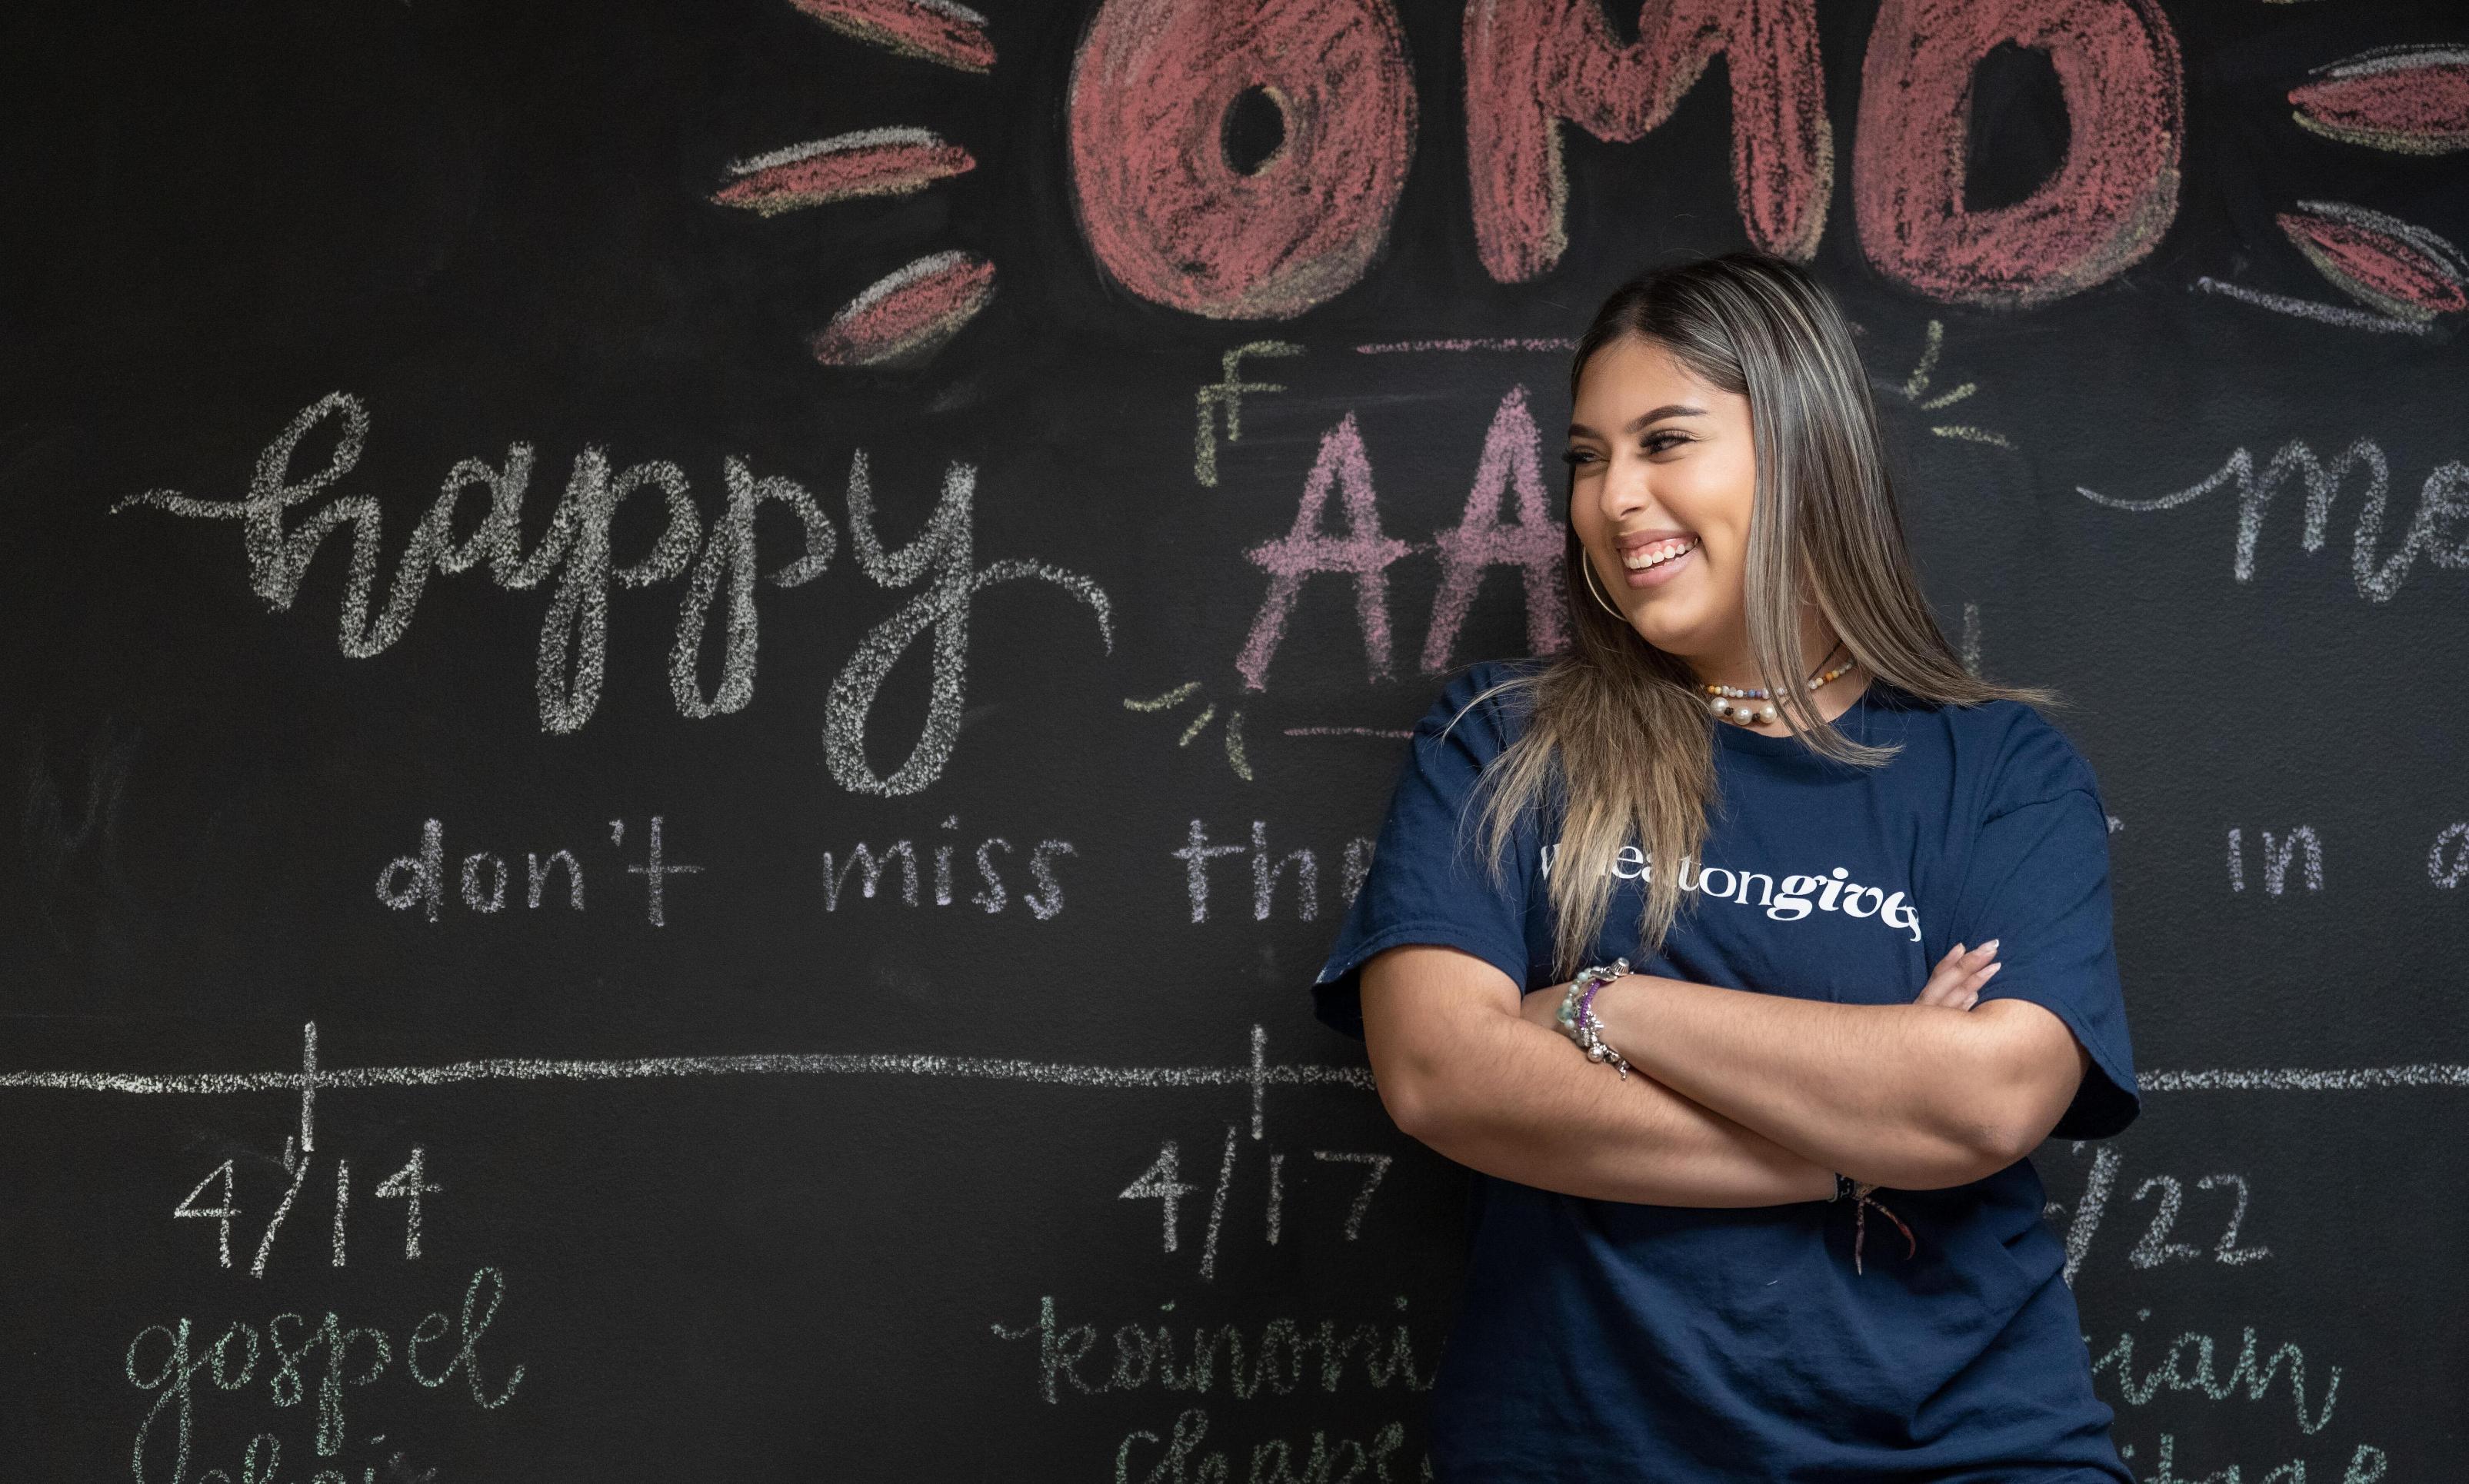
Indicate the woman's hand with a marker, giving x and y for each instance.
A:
(1958, 977)
(1542, 1005)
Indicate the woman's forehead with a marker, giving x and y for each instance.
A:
(1633, 375)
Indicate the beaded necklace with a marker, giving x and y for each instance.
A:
(1723, 696)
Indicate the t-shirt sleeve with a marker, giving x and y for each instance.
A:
(2039, 882)
(1430, 880)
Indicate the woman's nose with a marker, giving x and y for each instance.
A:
(1626, 488)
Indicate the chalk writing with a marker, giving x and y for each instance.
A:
(2367, 1464)
(2155, 1248)
(1162, 1182)
(575, 547)
(409, 1184)
(1532, 542)
(866, 865)
(1268, 871)
(2189, 1367)
(419, 880)
(325, 1358)
(2439, 530)
(1271, 1462)
(1532, 64)
(2278, 851)
(1275, 1357)
(1176, 221)
(1363, 552)
(2447, 859)
(1224, 398)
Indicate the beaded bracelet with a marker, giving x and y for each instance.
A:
(1577, 1015)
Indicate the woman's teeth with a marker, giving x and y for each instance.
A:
(1656, 555)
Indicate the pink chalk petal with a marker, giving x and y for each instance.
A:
(2413, 99)
(2380, 260)
(906, 316)
(934, 30)
(880, 162)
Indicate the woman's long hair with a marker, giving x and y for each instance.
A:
(1618, 734)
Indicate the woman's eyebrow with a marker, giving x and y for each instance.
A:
(1669, 410)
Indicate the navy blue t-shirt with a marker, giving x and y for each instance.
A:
(1604, 1339)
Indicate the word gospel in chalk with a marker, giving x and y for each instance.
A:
(939, 561)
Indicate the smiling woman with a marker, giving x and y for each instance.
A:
(1670, 1275)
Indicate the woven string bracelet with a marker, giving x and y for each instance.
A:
(1862, 1201)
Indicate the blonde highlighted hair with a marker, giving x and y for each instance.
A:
(1618, 736)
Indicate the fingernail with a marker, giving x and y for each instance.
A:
(1990, 972)
(1991, 944)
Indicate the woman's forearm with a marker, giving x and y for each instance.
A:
(1898, 1094)
(1520, 1101)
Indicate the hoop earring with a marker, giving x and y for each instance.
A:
(1587, 564)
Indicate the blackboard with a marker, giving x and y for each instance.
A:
(458, 1029)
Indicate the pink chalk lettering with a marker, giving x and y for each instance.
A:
(2103, 209)
(1363, 552)
(1512, 460)
(1532, 64)
(1166, 212)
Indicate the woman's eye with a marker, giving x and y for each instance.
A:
(1574, 457)
(1661, 442)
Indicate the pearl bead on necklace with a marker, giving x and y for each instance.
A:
(1724, 696)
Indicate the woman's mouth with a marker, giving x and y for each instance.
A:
(1659, 561)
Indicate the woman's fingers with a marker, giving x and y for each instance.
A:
(1958, 977)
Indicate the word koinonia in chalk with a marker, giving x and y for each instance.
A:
(2439, 531)
(294, 1358)
(1283, 1355)
(866, 865)
(1268, 869)
(575, 548)
(418, 881)
(1179, 1460)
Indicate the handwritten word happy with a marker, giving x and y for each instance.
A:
(575, 548)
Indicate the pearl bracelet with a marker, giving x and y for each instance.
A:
(1577, 1015)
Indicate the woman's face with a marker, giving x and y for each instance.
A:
(1663, 475)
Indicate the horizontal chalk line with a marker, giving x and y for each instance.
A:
(2417, 1074)
(1064, 1074)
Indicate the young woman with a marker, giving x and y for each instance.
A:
(1745, 950)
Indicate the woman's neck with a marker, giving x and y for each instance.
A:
(1735, 667)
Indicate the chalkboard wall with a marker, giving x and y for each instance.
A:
(693, 688)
